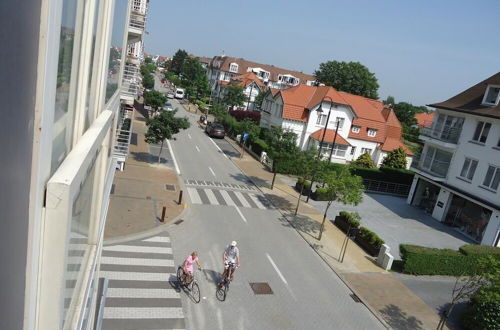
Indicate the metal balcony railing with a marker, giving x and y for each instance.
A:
(123, 134)
(130, 81)
(384, 187)
(446, 133)
(136, 21)
(430, 165)
(139, 7)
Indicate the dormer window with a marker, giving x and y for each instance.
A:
(372, 132)
(492, 95)
(233, 67)
(355, 129)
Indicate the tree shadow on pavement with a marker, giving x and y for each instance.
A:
(398, 319)
(455, 319)
(280, 202)
(146, 157)
(242, 178)
(301, 223)
(140, 108)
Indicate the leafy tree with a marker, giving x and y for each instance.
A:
(350, 77)
(390, 101)
(154, 99)
(308, 165)
(148, 81)
(365, 160)
(178, 61)
(148, 68)
(395, 158)
(343, 187)
(248, 126)
(164, 127)
(148, 60)
(234, 96)
(405, 113)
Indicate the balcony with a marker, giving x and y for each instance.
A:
(139, 7)
(130, 83)
(434, 164)
(442, 134)
(123, 134)
(135, 28)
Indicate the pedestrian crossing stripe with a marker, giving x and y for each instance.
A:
(222, 185)
(228, 198)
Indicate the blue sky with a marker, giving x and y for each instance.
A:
(420, 51)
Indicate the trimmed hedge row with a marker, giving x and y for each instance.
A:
(420, 260)
(384, 174)
(258, 145)
(364, 237)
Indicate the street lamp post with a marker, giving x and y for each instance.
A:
(320, 110)
(334, 139)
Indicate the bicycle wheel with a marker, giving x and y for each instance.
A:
(221, 293)
(180, 272)
(195, 292)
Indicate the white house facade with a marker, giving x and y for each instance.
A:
(354, 125)
(458, 171)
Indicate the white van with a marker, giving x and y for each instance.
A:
(179, 93)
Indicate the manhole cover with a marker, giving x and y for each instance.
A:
(261, 288)
(170, 187)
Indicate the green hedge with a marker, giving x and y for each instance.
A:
(352, 218)
(481, 315)
(420, 260)
(320, 194)
(258, 146)
(371, 237)
(384, 174)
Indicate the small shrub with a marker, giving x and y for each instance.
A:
(258, 146)
(365, 160)
(482, 315)
(371, 237)
(352, 218)
(320, 194)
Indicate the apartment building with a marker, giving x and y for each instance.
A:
(222, 69)
(354, 125)
(458, 171)
(251, 85)
(70, 96)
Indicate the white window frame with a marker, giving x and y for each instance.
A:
(321, 120)
(341, 122)
(366, 151)
(495, 174)
(353, 150)
(486, 94)
(483, 125)
(469, 168)
(372, 132)
(355, 129)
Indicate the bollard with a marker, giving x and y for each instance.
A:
(163, 213)
(180, 197)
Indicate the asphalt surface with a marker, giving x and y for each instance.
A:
(306, 293)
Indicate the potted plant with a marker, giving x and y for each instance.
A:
(369, 241)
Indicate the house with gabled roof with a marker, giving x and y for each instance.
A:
(356, 124)
(251, 85)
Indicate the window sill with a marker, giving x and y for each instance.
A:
(487, 188)
(476, 142)
(496, 148)
(464, 179)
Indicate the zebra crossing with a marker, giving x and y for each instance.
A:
(139, 294)
(228, 198)
(217, 184)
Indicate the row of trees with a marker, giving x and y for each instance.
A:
(147, 70)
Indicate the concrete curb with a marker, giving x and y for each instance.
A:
(339, 275)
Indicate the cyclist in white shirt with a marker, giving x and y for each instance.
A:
(231, 256)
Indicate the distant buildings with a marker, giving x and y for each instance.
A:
(364, 125)
(458, 171)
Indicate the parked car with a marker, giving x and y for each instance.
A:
(179, 93)
(168, 107)
(215, 130)
(170, 95)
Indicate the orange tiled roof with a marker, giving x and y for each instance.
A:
(246, 79)
(329, 136)
(295, 100)
(393, 143)
(424, 118)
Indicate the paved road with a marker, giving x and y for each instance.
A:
(225, 206)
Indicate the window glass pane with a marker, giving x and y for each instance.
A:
(496, 180)
(90, 113)
(465, 167)
(479, 127)
(472, 169)
(63, 112)
(492, 95)
(116, 47)
(484, 134)
(489, 176)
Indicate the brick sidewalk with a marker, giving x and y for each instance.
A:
(384, 294)
(139, 192)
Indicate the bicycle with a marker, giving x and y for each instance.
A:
(223, 286)
(192, 286)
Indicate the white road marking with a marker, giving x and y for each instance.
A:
(143, 313)
(241, 214)
(141, 293)
(215, 144)
(211, 196)
(257, 201)
(162, 239)
(276, 268)
(193, 194)
(173, 157)
(197, 148)
(189, 136)
(138, 248)
(227, 198)
(137, 261)
(136, 276)
(213, 173)
(242, 199)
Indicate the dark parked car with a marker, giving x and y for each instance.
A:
(215, 130)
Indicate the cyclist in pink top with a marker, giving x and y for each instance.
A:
(187, 267)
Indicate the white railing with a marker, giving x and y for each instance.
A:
(136, 21)
(123, 134)
(130, 81)
(140, 6)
